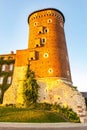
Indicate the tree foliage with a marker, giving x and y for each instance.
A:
(30, 88)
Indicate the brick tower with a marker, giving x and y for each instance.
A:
(49, 57)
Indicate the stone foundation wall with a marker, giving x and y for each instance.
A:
(14, 95)
(54, 90)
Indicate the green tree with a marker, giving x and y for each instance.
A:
(30, 88)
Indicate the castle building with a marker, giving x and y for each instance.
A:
(48, 58)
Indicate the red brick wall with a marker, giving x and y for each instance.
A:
(55, 46)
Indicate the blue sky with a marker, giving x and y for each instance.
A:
(14, 30)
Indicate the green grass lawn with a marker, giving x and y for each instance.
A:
(10, 114)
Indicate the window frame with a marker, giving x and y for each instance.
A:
(11, 66)
(9, 79)
(1, 80)
(3, 68)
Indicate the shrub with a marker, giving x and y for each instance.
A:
(43, 106)
(67, 112)
(31, 87)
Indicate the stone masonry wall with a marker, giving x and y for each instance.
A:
(54, 90)
(14, 94)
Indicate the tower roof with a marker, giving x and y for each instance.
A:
(47, 9)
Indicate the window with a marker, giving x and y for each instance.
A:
(42, 30)
(37, 45)
(3, 67)
(11, 67)
(1, 80)
(40, 42)
(50, 70)
(35, 23)
(45, 30)
(43, 40)
(32, 58)
(33, 55)
(9, 80)
(45, 55)
(37, 42)
(49, 21)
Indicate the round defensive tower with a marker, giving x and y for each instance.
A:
(49, 57)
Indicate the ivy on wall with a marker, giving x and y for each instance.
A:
(4, 86)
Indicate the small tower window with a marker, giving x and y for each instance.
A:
(45, 30)
(35, 23)
(45, 55)
(49, 21)
(50, 70)
(37, 42)
(43, 40)
(42, 30)
(37, 45)
(39, 32)
(31, 58)
(40, 42)
(33, 55)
